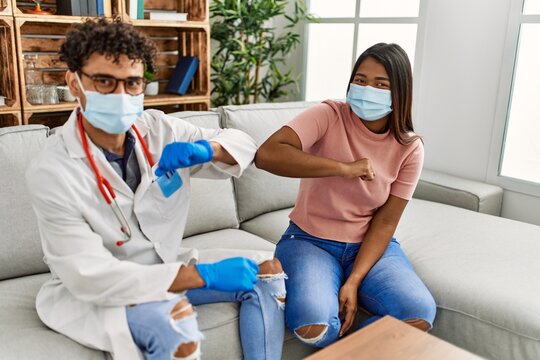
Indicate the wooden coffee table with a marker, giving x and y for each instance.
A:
(391, 339)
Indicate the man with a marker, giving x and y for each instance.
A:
(111, 220)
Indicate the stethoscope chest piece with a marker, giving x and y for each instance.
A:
(103, 184)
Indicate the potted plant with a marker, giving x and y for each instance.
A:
(246, 64)
(152, 88)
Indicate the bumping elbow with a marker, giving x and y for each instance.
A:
(269, 157)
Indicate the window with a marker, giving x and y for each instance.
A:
(345, 30)
(531, 7)
(521, 148)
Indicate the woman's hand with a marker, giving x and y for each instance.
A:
(360, 168)
(348, 305)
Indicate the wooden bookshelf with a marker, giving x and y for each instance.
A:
(42, 35)
(197, 12)
(5, 8)
(19, 7)
(173, 42)
(42, 38)
(191, 106)
(9, 82)
(174, 39)
(12, 118)
(51, 119)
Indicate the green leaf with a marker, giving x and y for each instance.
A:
(147, 74)
(246, 41)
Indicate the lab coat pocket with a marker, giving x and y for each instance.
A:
(166, 193)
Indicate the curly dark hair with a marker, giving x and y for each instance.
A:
(106, 37)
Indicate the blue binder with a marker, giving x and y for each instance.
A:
(182, 75)
(100, 8)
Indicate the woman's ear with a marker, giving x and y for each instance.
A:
(73, 84)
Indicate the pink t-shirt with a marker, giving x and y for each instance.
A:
(341, 209)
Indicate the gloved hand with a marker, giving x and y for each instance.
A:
(184, 154)
(234, 274)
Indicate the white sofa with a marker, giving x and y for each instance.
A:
(483, 270)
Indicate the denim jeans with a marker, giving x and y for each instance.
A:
(317, 268)
(262, 323)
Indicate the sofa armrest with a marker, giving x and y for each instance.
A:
(456, 191)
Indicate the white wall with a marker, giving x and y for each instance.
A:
(295, 60)
(456, 91)
(458, 88)
(459, 81)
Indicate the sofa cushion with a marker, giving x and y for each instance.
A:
(230, 239)
(19, 236)
(258, 191)
(222, 244)
(483, 272)
(23, 335)
(212, 204)
(456, 191)
(269, 226)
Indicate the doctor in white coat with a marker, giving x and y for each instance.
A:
(111, 193)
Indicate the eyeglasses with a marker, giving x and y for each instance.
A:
(106, 84)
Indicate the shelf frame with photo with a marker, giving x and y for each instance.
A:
(9, 82)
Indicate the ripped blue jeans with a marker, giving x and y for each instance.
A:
(262, 323)
(317, 268)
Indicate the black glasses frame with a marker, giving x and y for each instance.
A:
(94, 78)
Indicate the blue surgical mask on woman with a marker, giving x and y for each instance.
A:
(112, 113)
(369, 103)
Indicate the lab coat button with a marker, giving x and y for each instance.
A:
(157, 245)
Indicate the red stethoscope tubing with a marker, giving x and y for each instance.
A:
(103, 184)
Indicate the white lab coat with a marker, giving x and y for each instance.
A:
(92, 278)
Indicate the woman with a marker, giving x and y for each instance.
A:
(359, 162)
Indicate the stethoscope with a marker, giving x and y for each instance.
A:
(103, 184)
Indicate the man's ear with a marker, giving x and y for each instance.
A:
(73, 84)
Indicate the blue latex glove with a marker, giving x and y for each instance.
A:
(184, 154)
(234, 274)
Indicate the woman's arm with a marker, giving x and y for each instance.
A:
(379, 235)
(282, 154)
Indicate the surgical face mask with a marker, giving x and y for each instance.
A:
(369, 103)
(112, 113)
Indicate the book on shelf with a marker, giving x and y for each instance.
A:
(84, 7)
(140, 9)
(182, 75)
(69, 7)
(107, 8)
(132, 8)
(92, 7)
(100, 7)
(165, 15)
(136, 9)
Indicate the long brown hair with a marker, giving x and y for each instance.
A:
(397, 65)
